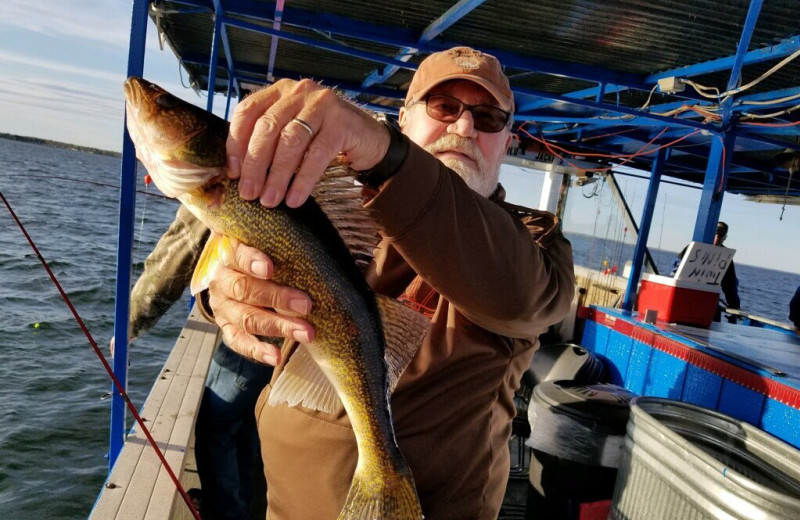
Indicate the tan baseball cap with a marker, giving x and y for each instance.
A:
(461, 63)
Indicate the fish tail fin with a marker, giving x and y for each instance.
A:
(395, 498)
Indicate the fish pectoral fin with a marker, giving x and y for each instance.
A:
(302, 382)
(403, 330)
(217, 249)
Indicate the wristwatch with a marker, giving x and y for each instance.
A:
(391, 162)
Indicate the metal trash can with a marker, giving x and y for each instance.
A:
(577, 431)
(684, 461)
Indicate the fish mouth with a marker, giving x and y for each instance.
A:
(136, 95)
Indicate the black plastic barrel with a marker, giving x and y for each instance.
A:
(577, 434)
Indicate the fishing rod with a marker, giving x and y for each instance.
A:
(103, 184)
(100, 355)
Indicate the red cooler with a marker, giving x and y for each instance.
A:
(678, 301)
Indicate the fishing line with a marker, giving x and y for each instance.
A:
(50, 177)
(141, 225)
(100, 355)
(661, 234)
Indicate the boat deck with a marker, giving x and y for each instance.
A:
(139, 487)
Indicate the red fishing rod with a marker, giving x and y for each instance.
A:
(100, 355)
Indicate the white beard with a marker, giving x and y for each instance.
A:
(478, 175)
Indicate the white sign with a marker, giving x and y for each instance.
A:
(704, 263)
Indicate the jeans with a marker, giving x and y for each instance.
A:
(226, 440)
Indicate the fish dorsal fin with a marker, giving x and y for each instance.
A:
(302, 382)
(218, 247)
(404, 330)
(343, 202)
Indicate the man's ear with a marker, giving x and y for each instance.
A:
(508, 140)
(401, 118)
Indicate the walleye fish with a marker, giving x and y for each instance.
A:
(362, 343)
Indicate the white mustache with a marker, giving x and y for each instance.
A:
(456, 143)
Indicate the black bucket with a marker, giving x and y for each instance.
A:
(566, 361)
(577, 434)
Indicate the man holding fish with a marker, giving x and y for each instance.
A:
(489, 277)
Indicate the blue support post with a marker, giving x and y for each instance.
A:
(212, 63)
(719, 156)
(127, 206)
(228, 97)
(226, 47)
(273, 44)
(713, 187)
(644, 230)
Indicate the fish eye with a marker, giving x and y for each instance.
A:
(166, 101)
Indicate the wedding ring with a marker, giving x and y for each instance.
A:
(305, 126)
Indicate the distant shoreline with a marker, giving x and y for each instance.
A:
(58, 144)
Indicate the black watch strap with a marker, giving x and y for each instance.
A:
(391, 162)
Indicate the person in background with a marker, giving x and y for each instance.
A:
(729, 284)
(794, 310)
(490, 279)
(226, 440)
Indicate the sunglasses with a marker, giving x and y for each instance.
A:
(447, 109)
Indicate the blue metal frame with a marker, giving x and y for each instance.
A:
(273, 46)
(228, 56)
(644, 230)
(713, 188)
(257, 74)
(333, 47)
(127, 207)
(610, 81)
(781, 50)
(212, 62)
(451, 16)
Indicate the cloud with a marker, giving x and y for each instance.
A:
(106, 21)
(48, 66)
(96, 21)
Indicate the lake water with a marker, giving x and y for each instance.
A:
(53, 423)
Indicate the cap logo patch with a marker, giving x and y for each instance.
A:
(467, 62)
(466, 58)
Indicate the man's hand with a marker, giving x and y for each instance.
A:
(289, 133)
(247, 304)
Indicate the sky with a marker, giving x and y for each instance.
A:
(62, 64)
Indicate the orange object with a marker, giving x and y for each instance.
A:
(147, 179)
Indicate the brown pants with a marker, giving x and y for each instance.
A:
(294, 470)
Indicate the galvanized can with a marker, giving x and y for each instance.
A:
(681, 461)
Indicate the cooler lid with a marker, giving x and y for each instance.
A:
(600, 405)
(682, 284)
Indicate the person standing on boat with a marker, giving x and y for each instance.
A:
(490, 279)
(226, 439)
(729, 284)
(794, 310)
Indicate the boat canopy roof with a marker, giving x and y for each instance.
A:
(585, 74)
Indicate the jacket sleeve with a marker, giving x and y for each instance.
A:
(794, 308)
(730, 287)
(167, 271)
(510, 278)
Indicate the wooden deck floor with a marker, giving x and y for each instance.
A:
(139, 487)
